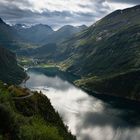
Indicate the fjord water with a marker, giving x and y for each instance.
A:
(88, 117)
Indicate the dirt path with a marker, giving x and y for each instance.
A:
(24, 97)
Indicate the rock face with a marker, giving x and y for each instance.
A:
(10, 72)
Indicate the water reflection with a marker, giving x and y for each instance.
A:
(37, 79)
(87, 117)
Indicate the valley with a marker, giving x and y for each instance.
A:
(105, 55)
(25, 114)
(88, 117)
(76, 82)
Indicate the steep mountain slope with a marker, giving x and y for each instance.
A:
(118, 28)
(33, 34)
(104, 51)
(114, 54)
(10, 72)
(8, 36)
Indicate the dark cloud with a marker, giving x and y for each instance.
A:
(126, 1)
(22, 2)
(15, 11)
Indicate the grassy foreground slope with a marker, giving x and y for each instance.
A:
(32, 118)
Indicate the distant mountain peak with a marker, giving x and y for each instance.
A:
(82, 27)
(21, 26)
(70, 27)
(42, 26)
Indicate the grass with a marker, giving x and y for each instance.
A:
(16, 91)
(51, 65)
(38, 129)
(24, 61)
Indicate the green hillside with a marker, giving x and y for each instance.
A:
(31, 118)
(108, 49)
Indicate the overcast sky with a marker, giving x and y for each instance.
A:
(57, 13)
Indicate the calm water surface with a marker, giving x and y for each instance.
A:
(88, 117)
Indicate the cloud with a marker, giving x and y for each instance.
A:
(125, 1)
(59, 12)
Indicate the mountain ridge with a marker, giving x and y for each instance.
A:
(44, 34)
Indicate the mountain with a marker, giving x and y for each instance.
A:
(110, 43)
(46, 42)
(105, 55)
(43, 34)
(21, 36)
(33, 34)
(10, 72)
(1, 21)
(64, 33)
(8, 36)
(82, 27)
(19, 27)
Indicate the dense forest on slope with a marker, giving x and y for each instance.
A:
(10, 72)
(29, 118)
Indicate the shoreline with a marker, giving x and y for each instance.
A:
(92, 92)
(106, 95)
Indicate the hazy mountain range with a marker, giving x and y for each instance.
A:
(42, 34)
